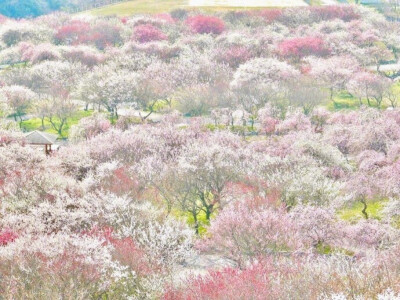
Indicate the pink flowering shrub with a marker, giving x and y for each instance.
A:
(7, 236)
(161, 50)
(370, 234)
(86, 56)
(77, 32)
(122, 182)
(8, 137)
(244, 233)
(125, 250)
(343, 12)
(89, 127)
(294, 122)
(268, 120)
(234, 56)
(103, 35)
(317, 226)
(254, 282)
(270, 15)
(205, 24)
(167, 18)
(298, 48)
(147, 33)
(72, 33)
(43, 52)
(319, 118)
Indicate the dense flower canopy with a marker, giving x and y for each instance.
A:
(229, 155)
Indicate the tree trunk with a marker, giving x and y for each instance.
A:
(61, 127)
(379, 101)
(369, 102)
(364, 210)
(209, 211)
(196, 222)
(169, 102)
(146, 116)
(20, 120)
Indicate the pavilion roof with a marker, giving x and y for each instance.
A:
(40, 138)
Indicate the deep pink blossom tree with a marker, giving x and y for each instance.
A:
(254, 282)
(7, 236)
(147, 33)
(298, 48)
(205, 24)
(72, 33)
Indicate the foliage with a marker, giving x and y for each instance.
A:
(148, 33)
(201, 143)
(205, 24)
(298, 48)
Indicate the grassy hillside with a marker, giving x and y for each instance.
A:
(151, 6)
(36, 123)
(140, 7)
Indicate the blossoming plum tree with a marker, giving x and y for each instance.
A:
(205, 24)
(18, 98)
(292, 206)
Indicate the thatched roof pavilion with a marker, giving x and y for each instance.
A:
(39, 138)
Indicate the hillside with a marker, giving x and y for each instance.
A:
(28, 8)
(32, 8)
(200, 154)
(149, 6)
(139, 7)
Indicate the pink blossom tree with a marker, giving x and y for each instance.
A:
(253, 282)
(147, 33)
(243, 233)
(19, 99)
(333, 72)
(261, 80)
(89, 127)
(369, 86)
(73, 32)
(85, 55)
(298, 48)
(205, 24)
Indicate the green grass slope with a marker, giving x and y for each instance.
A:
(158, 6)
(36, 123)
(139, 7)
